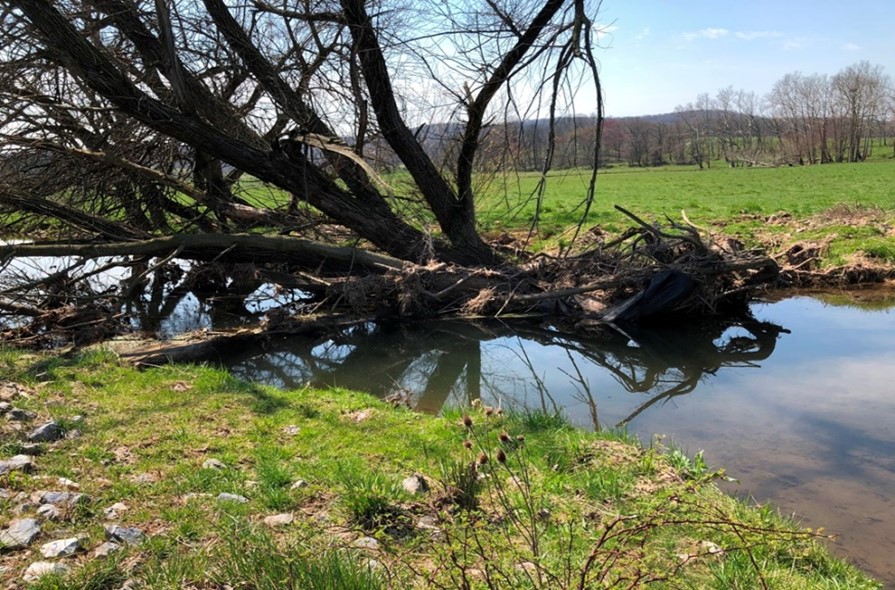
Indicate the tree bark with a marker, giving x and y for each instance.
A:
(456, 220)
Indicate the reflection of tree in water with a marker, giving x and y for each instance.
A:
(669, 361)
(438, 361)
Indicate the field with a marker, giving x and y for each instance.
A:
(848, 207)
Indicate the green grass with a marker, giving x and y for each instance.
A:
(736, 202)
(711, 195)
(517, 500)
(732, 201)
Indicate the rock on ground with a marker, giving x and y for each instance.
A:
(59, 498)
(115, 510)
(17, 463)
(19, 534)
(415, 484)
(47, 432)
(39, 569)
(213, 464)
(31, 449)
(20, 415)
(127, 535)
(226, 497)
(276, 520)
(106, 549)
(49, 512)
(61, 547)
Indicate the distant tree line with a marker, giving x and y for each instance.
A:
(804, 119)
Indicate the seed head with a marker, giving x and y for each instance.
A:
(467, 443)
(520, 438)
(489, 411)
(467, 421)
(501, 456)
(504, 437)
(483, 458)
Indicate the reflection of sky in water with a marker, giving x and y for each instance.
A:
(810, 427)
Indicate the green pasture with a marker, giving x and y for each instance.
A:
(816, 203)
(709, 195)
(849, 208)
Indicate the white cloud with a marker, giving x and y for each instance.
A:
(643, 34)
(751, 35)
(707, 34)
(796, 43)
(851, 47)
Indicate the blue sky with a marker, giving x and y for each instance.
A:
(658, 54)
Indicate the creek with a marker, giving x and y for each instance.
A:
(802, 417)
(798, 405)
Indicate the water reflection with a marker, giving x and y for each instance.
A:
(458, 362)
(161, 297)
(802, 417)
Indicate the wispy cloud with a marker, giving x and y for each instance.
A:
(719, 33)
(794, 43)
(643, 34)
(851, 47)
(706, 34)
(752, 35)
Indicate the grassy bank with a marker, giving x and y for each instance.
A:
(514, 501)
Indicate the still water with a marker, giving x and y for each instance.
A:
(803, 416)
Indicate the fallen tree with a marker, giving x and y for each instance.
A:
(283, 144)
(649, 273)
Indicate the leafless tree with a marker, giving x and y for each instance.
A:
(126, 118)
(860, 94)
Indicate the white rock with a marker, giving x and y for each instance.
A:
(17, 463)
(415, 484)
(213, 464)
(299, 484)
(106, 549)
(226, 497)
(61, 547)
(59, 498)
(49, 512)
(39, 569)
(291, 430)
(116, 509)
(276, 520)
(67, 483)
